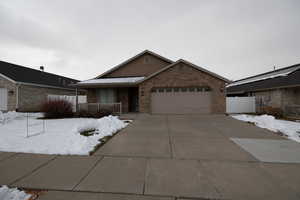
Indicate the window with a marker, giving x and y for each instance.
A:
(106, 95)
(169, 90)
(192, 89)
(200, 89)
(183, 89)
(207, 89)
(161, 90)
(153, 90)
(176, 89)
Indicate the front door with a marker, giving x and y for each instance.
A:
(133, 100)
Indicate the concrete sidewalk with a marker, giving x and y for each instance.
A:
(161, 157)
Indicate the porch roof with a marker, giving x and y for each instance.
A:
(110, 81)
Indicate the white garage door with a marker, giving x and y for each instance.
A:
(194, 100)
(3, 99)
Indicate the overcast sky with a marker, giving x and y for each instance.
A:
(82, 39)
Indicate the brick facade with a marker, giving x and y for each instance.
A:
(183, 75)
(32, 97)
(141, 66)
(287, 99)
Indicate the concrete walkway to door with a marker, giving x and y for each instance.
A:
(162, 157)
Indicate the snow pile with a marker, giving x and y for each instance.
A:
(105, 126)
(288, 128)
(62, 136)
(9, 116)
(12, 194)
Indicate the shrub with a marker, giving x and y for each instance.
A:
(88, 132)
(276, 112)
(98, 114)
(57, 109)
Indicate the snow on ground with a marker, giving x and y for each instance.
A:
(12, 194)
(9, 116)
(61, 136)
(288, 128)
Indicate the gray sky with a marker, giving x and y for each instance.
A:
(82, 39)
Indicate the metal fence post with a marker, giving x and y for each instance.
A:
(27, 125)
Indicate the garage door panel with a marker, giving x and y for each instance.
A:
(181, 102)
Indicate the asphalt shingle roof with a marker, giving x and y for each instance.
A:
(285, 77)
(27, 75)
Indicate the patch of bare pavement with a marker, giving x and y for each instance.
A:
(160, 157)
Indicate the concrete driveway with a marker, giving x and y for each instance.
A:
(163, 157)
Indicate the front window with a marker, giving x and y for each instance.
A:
(106, 95)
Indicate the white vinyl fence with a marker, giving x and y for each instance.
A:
(240, 105)
(71, 99)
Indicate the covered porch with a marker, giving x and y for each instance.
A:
(106, 92)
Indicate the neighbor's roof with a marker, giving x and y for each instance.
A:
(110, 81)
(273, 74)
(25, 75)
(284, 77)
(133, 58)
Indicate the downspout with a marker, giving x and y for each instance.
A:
(76, 107)
(17, 97)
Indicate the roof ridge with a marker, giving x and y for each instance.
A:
(283, 68)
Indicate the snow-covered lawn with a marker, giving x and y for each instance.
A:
(12, 194)
(288, 128)
(61, 136)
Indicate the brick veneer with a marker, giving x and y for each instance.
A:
(32, 97)
(183, 75)
(141, 66)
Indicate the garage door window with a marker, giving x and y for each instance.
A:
(191, 89)
(203, 89)
(176, 89)
(161, 90)
(207, 89)
(169, 90)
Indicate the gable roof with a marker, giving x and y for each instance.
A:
(189, 64)
(281, 78)
(25, 75)
(133, 58)
(267, 75)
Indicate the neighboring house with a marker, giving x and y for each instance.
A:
(150, 83)
(278, 89)
(25, 89)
